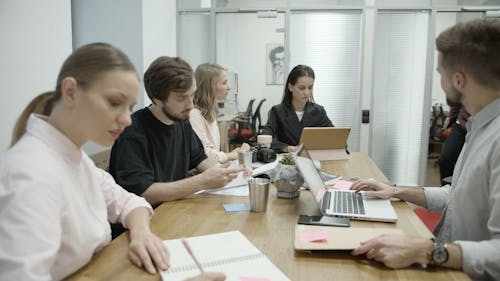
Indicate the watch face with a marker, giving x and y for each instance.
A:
(440, 254)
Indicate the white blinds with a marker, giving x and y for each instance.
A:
(330, 43)
(398, 94)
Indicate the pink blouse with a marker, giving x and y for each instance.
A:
(54, 206)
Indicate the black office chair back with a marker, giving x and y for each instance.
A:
(256, 116)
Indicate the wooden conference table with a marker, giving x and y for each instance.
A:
(272, 232)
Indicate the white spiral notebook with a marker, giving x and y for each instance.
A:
(228, 252)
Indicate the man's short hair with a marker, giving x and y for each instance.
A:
(474, 48)
(165, 75)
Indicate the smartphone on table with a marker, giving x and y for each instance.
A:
(324, 220)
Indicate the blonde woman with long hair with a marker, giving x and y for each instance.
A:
(212, 86)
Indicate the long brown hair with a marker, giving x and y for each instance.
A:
(297, 72)
(204, 98)
(86, 65)
(42, 104)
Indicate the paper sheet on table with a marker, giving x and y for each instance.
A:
(231, 208)
(237, 187)
(240, 180)
(267, 169)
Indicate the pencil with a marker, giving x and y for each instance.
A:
(190, 251)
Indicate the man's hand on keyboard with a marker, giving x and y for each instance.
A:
(374, 188)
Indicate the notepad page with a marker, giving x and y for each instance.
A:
(228, 252)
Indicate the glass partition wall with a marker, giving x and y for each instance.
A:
(398, 94)
(376, 56)
(330, 42)
(194, 37)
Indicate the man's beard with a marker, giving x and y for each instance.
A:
(456, 94)
(172, 117)
(453, 103)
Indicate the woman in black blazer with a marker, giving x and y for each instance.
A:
(296, 111)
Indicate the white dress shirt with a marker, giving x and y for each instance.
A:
(54, 206)
(471, 205)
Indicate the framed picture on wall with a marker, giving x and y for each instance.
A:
(275, 58)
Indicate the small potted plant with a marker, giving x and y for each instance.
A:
(289, 179)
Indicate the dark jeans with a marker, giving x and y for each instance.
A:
(451, 149)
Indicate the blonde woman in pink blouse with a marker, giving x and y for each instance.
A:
(212, 86)
(54, 202)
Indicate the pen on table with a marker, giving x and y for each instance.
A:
(190, 251)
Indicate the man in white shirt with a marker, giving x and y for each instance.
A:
(468, 235)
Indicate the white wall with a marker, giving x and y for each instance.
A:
(159, 32)
(143, 29)
(37, 36)
(241, 38)
(195, 49)
(35, 39)
(117, 23)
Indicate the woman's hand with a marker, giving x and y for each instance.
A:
(244, 146)
(147, 250)
(233, 155)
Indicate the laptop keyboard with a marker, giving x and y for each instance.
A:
(325, 204)
(347, 202)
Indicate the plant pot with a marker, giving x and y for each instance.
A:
(288, 182)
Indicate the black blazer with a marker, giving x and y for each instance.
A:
(285, 127)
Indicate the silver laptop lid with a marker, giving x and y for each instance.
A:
(312, 177)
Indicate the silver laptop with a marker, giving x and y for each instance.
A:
(325, 176)
(345, 203)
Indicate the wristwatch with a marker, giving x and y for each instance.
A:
(439, 253)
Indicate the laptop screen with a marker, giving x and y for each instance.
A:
(311, 176)
(302, 151)
(324, 137)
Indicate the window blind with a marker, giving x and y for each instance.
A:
(330, 43)
(398, 94)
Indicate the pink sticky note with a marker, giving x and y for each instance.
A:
(318, 236)
(342, 184)
(250, 278)
(320, 194)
